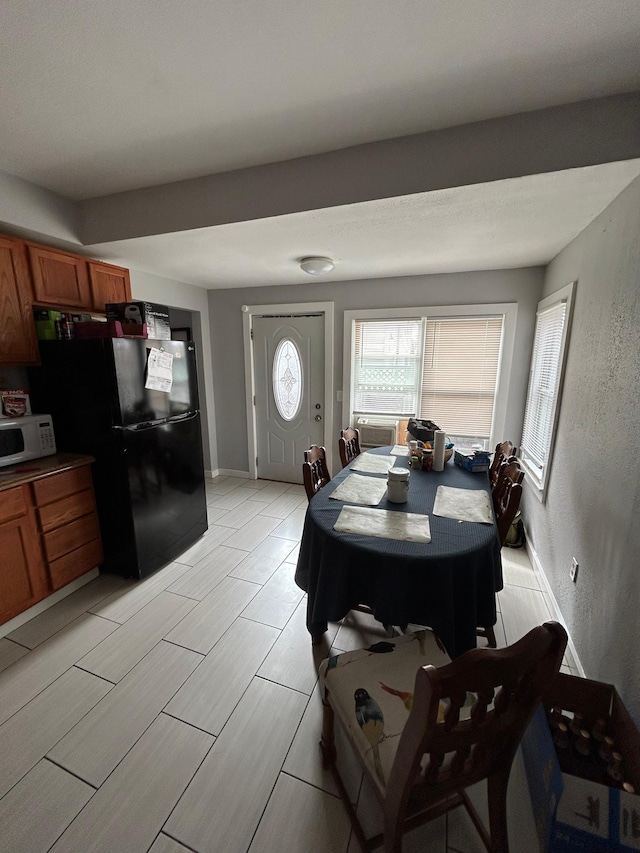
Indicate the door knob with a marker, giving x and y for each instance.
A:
(318, 417)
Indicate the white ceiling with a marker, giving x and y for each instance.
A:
(99, 98)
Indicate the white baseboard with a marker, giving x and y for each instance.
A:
(557, 613)
(41, 606)
(228, 472)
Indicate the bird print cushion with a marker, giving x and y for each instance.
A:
(372, 692)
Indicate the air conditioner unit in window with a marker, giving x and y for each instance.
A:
(375, 432)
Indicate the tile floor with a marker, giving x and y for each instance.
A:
(181, 713)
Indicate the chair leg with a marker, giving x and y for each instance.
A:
(497, 802)
(327, 744)
(491, 637)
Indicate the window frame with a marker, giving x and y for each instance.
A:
(509, 311)
(538, 478)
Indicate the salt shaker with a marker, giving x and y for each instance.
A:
(398, 485)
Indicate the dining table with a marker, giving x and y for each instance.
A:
(448, 584)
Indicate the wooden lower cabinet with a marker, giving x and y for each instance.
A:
(68, 524)
(49, 536)
(23, 578)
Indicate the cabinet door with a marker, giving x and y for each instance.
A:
(59, 279)
(18, 344)
(22, 579)
(108, 284)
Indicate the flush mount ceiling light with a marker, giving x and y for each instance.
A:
(316, 266)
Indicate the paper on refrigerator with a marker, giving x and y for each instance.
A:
(159, 370)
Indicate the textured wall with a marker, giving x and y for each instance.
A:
(521, 285)
(593, 502)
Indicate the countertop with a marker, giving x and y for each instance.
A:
(36, 469)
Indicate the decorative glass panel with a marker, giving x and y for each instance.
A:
(287, 379)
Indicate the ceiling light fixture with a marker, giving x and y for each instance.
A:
(316, 266)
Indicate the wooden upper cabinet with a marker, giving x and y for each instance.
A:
(108, 284)
(18, 343)
(59, 279)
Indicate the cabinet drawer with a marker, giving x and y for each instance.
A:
(71, 536)
(12, 504)
(66, 569)
(58, 486)
(68, 509)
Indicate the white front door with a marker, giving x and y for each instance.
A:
(288, 354)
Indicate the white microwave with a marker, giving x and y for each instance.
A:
(28, 437)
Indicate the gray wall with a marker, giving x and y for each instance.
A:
(592, 509)
(521, 285)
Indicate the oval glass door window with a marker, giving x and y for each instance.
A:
(287, 379)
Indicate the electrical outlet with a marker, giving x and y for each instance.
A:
(573, 571)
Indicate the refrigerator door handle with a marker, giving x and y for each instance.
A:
(179, 418)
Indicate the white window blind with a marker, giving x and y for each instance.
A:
(386, 368)
(462, 356)
(544, 386)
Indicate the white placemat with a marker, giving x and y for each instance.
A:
(463, 504)
(360, 490)
(373, 464)
(400, 450)
(386, 524)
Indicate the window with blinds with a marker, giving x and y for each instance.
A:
(386, 366)
(461, 360)
(545, 376)
(441, 368)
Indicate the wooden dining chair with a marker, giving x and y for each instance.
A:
(506, 494)
(504, 452)
(424, 729)
(349, 445)
(315, 474)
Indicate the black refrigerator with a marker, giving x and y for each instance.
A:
(107, 398)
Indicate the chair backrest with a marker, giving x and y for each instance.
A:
(497, 691)
(349, 444)
(505, 451)
(315, 473)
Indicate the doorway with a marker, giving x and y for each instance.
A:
(289, 356)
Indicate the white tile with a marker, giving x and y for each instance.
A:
(40, 668)
(255, 485)
(293, 555)
(30, 733)
(304, 760)
(99, 742)
(277, 599)
(215, 513)
(214, 536)
(10, 653)
(300, 818)
(293, 661)
(284, 505)
(136, 594)
(297, 489)
(129, 810)
(224, 485)
(208, 621)
(207, 574)
(121, 651)
(241, 515)
(291, 527)
(517, 569)
(229, 501)
(239, 772)
(264, 559)
(522, 609)
(41, 627)
(164, 844)
(208, 697)
(252, 533)
(48, 791)
(269, 492)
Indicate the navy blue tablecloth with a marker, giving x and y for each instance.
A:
(448, 584)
